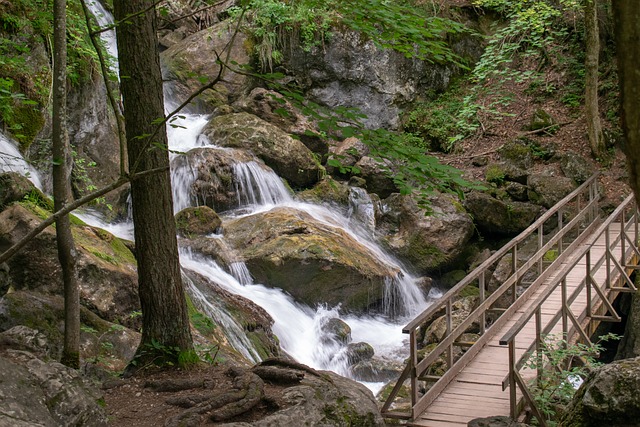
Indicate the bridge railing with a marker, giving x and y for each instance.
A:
(620, 231)
(558, 230)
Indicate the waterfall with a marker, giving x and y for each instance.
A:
(298, 327)
(104, 18)
(12, 161)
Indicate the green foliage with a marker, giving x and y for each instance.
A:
(494, 174)
(26, 28)
(276, 24)
(531, 30)
(562, 365)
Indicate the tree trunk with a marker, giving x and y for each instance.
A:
(626, 15)
(592, 42)
(164, 310)
(62, 163)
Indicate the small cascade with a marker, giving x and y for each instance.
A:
(257, 186)
(12, 161)
(233, 331)
(104, 19)
(361, 210)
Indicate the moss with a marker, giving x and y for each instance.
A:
(495, 174)
(30, 122)
(103, 245)
(469, 291)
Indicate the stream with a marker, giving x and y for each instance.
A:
(298, 327)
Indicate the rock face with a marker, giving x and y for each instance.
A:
(196, 57)
(48, 394)
(495, 216)
(547, 190)
(609, 397)
(314, 262)
(426, 242)
(350, 70)
(288, 157)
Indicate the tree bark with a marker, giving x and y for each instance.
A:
(626, 15)
(62, 163)
(592, 42)
(164, 310)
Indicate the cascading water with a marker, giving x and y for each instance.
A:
(300, 329)
(12, 161)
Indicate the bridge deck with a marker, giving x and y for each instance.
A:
(477, 390)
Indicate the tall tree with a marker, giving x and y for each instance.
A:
(626, 16)
(164, 311)
(62, 162)
(592, 47)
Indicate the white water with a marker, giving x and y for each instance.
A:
(12, 161)
(104, 18)
(298, 327)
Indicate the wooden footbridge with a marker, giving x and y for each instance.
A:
(558, 278)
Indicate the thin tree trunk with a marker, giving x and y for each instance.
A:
(164, 310)
(62, 162)
(592, 41)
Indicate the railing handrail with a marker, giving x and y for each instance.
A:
(527, 315)
(469, 278)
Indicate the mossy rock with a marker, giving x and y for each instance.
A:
(328, 190)
(517, 153)
(197, 221)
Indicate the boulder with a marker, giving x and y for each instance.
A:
(13, 188)
(426, 242)
(518, 153)
(197, 221)
(609, 397)
(194, 58)
(377, 370)
(38, 393)
(377, 177)
(328, 191)
(337, 330)
(495, 216)
(106, 267)
(313, 261)
(541, 119)
(576, 167)
(288, 157)
(210, 174)
(274, 108)
(347, 152)
(239, 319)
(358, 352)
(547, 190)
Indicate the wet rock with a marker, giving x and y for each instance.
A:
(426, 242)
(608, 397)
(213, 178)
(198, 221)
(376, 370)
(347, 152)
(359, 352)
(328, 191)
(451, 278)
(337, 330)
(314, 262)
(495, 216)
(547, 190)
(288, 157)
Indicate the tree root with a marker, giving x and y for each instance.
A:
(220, 406)
(173, 385)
